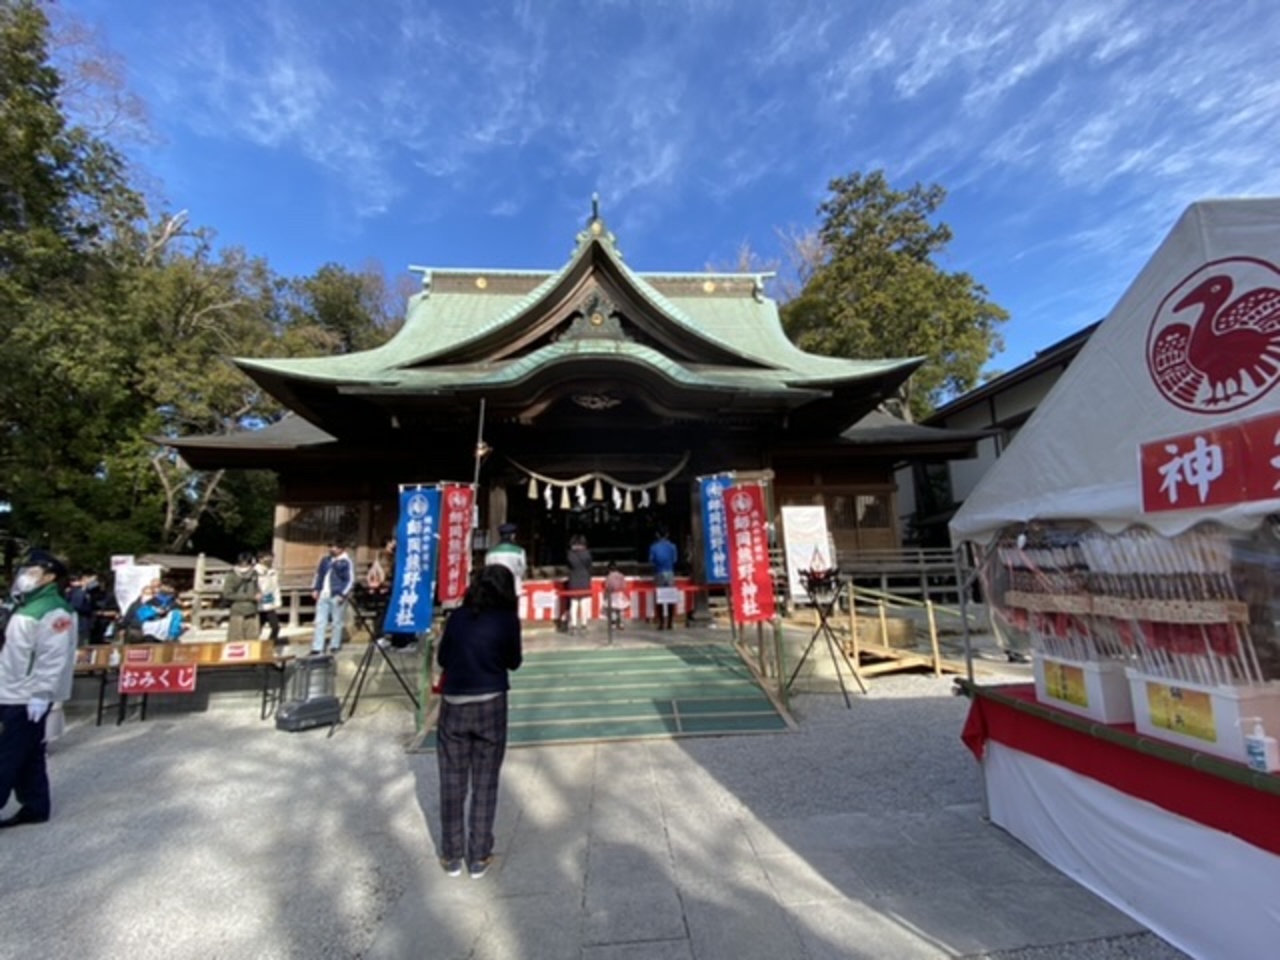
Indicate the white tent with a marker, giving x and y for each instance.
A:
(1182, 352)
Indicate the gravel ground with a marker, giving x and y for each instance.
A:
(209, 834)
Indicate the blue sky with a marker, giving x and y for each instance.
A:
(1069, 136)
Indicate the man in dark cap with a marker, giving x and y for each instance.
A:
(37, 666)
(507, 553)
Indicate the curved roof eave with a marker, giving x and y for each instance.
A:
(478, 377)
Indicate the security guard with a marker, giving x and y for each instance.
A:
(37, 665)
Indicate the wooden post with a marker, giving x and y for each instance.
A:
(933, 638)
(853, 621)
(884, 624)
(780, 655)
(197, 592)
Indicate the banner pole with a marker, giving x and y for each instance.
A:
(481, 447)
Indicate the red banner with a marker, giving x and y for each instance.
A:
(153, 678)
(1236, 463)
(455, 542)
(750, 582)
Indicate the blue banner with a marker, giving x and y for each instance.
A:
(715, 528)
(417, 541)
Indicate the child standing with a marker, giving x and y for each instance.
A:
(615, 592)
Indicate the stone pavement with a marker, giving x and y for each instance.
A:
(207, 833)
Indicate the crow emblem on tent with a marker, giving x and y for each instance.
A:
(1215, 342)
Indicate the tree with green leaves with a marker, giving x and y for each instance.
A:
(877, 290)
(63, 200)
(115, 329)
(350, 310)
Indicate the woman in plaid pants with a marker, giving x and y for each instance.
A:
(480, 646)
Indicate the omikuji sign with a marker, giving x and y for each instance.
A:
(751, 582)
(1231, 463)
(138, 679)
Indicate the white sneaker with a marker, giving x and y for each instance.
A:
(383, 642)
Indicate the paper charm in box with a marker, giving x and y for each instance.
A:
(1193, 608)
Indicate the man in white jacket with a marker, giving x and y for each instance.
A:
(37, 666)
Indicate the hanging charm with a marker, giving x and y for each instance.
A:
(662, 493)
(533, 488)
(617, 498)
(597, 492)
(580, 495)
(644, 498)
(627, 506)
(564, 498)
(547, 496)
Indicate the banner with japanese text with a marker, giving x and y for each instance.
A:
(1221, 465)
(417, 537)
(715, 529)
(751, 584)
(457, 500)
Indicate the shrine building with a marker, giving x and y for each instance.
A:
(588, 399)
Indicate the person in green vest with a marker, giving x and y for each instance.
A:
(37, 666)
(507, 553)
(240, 593)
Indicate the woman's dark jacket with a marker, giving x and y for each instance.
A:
(477, 650)
(580, 569)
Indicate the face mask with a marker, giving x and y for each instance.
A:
(27, 580)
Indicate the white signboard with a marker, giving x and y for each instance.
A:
(804, 534)
(131, 578)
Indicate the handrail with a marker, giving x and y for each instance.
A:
(898, 600)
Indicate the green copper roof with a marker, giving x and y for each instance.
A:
(439, 323)
(477, 329)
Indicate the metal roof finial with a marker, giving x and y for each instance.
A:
(595, 229)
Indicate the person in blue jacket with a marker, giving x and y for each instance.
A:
(663, 556)
(335, 579)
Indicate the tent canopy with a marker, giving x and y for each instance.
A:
(1192, 345)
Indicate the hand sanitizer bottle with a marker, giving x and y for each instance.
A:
(1262, 753)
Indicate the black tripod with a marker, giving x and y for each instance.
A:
(362, 671)
(824, 589)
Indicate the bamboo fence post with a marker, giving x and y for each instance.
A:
(780, 655)
(933, 638)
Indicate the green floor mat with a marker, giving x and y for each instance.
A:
(629, 693)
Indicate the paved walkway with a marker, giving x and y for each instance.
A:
(211, 834)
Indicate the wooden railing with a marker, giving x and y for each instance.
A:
(925, 574)
(206, 611)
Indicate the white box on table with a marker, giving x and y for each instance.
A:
(1096, 689)
(1211, 718)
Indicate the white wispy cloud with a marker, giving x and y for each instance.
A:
(1146, 102)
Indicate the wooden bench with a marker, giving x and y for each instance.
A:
(106, 662)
